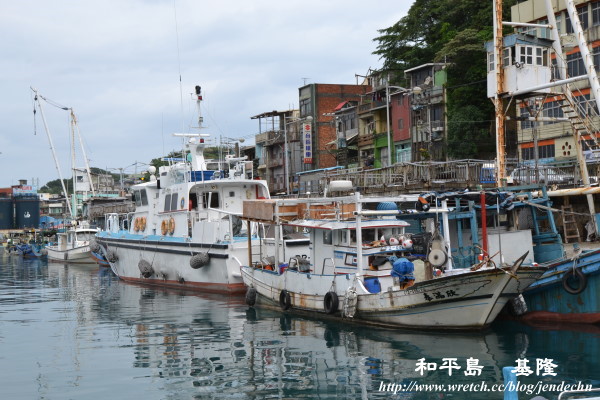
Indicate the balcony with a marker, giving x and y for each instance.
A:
(370, 106)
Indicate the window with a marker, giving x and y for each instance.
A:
(583, 16)
(305, 107)
(79, 178)
(552, 109)
(144, 197)
(545, 151)
(541, 56)
(490, 62)
(213, 197)
(526, 55)
(174, 199)
(401, 123)
(167, 203)
(575, 66)
(506, 57)
(526, 124)
(568, 22)
(327, 236)
(544, 32)
(596, 13)
(401, 100)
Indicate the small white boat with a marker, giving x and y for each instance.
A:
(356, 269)
(72, 246)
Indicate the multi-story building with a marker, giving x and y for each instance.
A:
(345, 118)
(278, 133)
(319, 136)
(555, 139)
(373, 112)
(400, 125)
(428, 111)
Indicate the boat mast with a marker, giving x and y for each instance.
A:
(588, 62)
(56, 163)
(74, 198)
(85, 159)
(498, 102)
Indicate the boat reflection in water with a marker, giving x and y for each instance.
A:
(185, 345)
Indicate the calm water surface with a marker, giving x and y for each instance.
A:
(77, 332)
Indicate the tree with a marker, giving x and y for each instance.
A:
(454, 32)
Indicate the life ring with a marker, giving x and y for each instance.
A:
(136, 224)
(164, 226)
(576, 274)
(171, 225)
(285, 302)
(142, 223)
(331, 302)
(251, 296)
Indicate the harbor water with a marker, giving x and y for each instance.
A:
(77, 332)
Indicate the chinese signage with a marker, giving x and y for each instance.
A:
(307, 140)
(24, 190)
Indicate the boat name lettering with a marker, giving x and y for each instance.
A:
(439, 295)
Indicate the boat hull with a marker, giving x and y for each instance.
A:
(170, 262)
(470, 300)
(76, 255)
(548, 301)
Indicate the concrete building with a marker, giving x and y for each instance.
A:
(345, 118)
(278, 133)
(555, 139)
(319, 136)
(428, 112)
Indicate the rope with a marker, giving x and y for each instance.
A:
(553, 209)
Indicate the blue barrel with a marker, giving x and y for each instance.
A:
(6, 214)
(27, 212)
(373, 285)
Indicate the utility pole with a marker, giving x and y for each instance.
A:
(498, 102)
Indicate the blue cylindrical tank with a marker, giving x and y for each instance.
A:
(6, 213)
(27, 212)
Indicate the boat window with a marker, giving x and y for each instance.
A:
(144, 197)
(213, 197)
(167, 203)
(327, 236)
(231, 194)
(137, 197)
(174, 202)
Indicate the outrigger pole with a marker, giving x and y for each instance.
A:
(62, 182)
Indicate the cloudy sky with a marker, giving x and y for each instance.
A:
(117, 64)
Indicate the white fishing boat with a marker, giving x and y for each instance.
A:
(186, 230)
(72, 246)
(356, 268)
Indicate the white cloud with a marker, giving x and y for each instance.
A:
(117, 64)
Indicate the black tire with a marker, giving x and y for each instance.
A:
(285, 302)
(577, 275)
(251, 296)
(331, 302)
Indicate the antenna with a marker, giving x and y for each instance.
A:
(305, 79)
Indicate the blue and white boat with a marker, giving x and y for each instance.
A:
(186, 230)
(32, 250)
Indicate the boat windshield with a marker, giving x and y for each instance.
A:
(85, 236)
